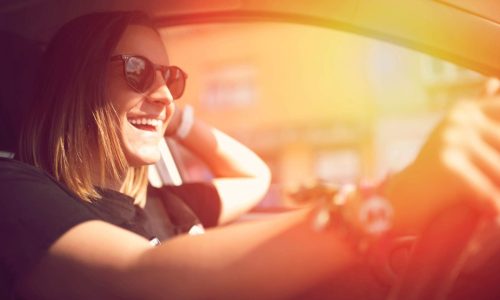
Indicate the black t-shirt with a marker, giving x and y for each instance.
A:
(35, 210)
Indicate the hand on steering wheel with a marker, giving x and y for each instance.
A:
(457, 177)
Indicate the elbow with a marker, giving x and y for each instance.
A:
(266, 176)
(263, 178)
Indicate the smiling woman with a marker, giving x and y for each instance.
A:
(78, 104)
(104, 101)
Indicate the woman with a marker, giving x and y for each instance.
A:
(98, 125)
(99, 138)
(106, 107)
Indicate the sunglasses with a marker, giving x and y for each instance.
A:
(140, 74)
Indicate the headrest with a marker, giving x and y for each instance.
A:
(19, 59)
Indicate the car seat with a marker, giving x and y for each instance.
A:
(20, 60)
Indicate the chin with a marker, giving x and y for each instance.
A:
(144, 158)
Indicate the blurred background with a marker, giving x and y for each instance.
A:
(315, 104)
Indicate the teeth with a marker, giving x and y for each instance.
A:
(143, 121)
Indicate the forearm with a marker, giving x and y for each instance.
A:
(239, 195)
(417, 197)
(241, 177)
(264, 260)
(225, 156)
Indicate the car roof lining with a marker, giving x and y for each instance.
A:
(259, 16)
(487, 9)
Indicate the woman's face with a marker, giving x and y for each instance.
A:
(140, 142)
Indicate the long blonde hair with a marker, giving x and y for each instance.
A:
(73, 127)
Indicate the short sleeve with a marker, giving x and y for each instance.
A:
(202, 198)
(34, 212)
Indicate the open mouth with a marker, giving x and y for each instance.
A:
(146, 124)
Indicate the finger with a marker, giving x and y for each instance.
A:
(490, 108)
(469, 117)
(491, 88)
(487, 128)
(485, 157)
(484, 193)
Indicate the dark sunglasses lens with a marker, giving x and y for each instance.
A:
(176, 81)
(139, 73)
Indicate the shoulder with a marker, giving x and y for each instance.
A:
(21, 181)
(34, 206)
(35, 211)
(13, 171)
(33, 198)
(9, 167)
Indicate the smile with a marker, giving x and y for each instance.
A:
(147, 124)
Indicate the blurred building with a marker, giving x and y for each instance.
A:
(314, 103)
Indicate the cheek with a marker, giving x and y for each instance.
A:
(121, 96)
(123, 101)
(170, 110)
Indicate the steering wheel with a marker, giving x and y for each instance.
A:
(437, 256)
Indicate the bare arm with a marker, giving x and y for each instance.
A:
(242, 178)
(459, 164)
(269, 259)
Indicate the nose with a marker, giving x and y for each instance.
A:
(159, 92)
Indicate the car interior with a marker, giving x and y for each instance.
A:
(336, 91)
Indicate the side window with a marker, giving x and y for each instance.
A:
(314, 103)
